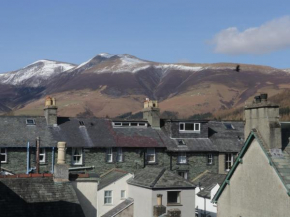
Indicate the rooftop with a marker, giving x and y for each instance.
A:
(159, 178)
(110, 177)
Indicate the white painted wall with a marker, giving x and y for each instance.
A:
(116, 188)
(203, 203)
(145, 199)
(87, 194)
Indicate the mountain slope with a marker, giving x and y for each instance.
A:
(110, 85)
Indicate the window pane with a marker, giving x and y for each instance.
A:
(134, 124)
(108, 193)
(181, 126)
(196, 127)
(188, 126)
(123, 195)
(3, 150)
(125, 124)
(173, 197)
(2, 158)
(151, 158)
(150, 151)
(41, 158)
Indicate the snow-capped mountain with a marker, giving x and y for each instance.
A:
(114, 84)
(34, 74)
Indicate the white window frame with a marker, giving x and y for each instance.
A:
(123, 194)
(107, 197)
(81, 156)
(209, 159)
(42, 154)
(109, 155)
(120, 124)
(119, 155)
(151, 154)
(195, 126)
(5, 154)
(229, 161)
(181, 158)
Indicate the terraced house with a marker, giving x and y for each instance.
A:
(186, 147)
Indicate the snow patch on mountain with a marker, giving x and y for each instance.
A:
(37, 72)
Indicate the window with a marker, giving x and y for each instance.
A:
(82, 123)
(77, 156)
(189, 127)
(229, 161)
(3, 156)
(109, 155)
(209, 159)
(181, 142)
(151, 155)
(119, 155)
(173, 197)
(183, 174)
(129, 124)
(30, 122)
(229, 126)
(42, 155)
(123, 194)
(181, 159)
(108, 197)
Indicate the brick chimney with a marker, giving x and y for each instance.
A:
(151, 113)
(61, 173)
(159, 209)
(50, 111)
(264, 116)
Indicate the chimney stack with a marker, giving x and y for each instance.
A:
(174, 213)
(264, 116)
(151, 112)
(61, 173)
(159, 209)
(50, 111)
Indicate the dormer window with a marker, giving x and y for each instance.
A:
(189, 127)
(30, 122)
(129, 124)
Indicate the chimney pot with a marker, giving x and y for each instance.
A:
(61, 148)
(159, 199)
(264, 97)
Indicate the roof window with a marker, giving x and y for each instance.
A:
(30, 122)
(82, 123)
(181, 142)
(229, 126)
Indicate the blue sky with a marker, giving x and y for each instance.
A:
(158, 30)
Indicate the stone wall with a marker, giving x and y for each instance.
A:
(132, 162)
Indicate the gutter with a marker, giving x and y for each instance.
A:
(81, 168)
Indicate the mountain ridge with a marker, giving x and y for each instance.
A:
(110, 85)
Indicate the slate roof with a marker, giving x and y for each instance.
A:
(193, 144)
(208, 181)
(110, 177)
(119, 208)
(227, 140)
(14, 132)
(280, 163)
(159, 178)
(33, 197)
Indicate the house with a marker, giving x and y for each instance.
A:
(37, 195)
(112, 194)
(207, 185)
(151, 183)
(258, 184)
(96, 145)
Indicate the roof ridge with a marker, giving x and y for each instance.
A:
(158, 177)
(200, 175)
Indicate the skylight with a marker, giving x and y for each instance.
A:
(82, 123)
(30, 122)
(229, 126)
(181, 142)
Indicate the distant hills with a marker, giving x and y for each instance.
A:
(112, 85)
